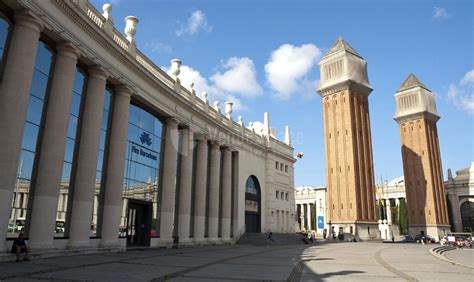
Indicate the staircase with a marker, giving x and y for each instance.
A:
(278, 239)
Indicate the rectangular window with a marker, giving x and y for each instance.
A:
(276, 194)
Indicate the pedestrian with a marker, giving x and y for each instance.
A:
(325, 233)
(19, 246)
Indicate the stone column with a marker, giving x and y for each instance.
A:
(236, 215)
(226, 193)
(51, 157)
(186, 177)
(115, 167)
(214, 175)
(86, 166)
(308, 218)
(15, 93)
(169, 181)
(388, 211)
(200, 189)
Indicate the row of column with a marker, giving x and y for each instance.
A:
(15, 89)
(305, 219)
(186, 151)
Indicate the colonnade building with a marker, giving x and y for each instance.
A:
(99, 147)
(311, 209)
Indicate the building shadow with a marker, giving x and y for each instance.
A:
(416, 188)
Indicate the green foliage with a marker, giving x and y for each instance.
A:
(402, 217)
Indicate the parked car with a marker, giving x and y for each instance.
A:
(408, 239)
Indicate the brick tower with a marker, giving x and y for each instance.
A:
(416, 116)
(345, 89)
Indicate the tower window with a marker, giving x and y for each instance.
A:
(277, 165)
(342, 206)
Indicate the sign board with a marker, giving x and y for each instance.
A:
(451, 239)
(320, 221)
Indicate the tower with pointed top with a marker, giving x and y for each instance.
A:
(344, 88)
(416, 116)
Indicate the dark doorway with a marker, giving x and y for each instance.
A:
(138, 223)
(467, 216)
(252, 205)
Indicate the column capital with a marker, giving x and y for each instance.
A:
(172, 121)
(25, 18)
(226, 148)
(67, 49)
(214, 144)
(97, 72)
(200, 136)
(123, 90)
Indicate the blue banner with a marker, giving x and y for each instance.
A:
(320, 221)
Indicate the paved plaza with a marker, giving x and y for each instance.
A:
(317, 262)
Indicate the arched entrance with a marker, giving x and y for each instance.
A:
(252, 205)
(467, 216)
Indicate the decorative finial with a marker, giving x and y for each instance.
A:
(191, 86)
(107, 8)
(228, 109)
(287, 136)
(175, 68)
(241, 120)
(204, 97)
(131, 27)
(216, 106)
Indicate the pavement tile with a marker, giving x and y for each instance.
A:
(112, 272)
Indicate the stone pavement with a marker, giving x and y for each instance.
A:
(318, 262)
(464, 256)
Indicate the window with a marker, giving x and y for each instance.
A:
(4, 31)
(74, 116)
(281, 167)
(276, 194)
(31, 132)
(142, 161)
(277, 165)
(286, 196)
(286, 168)
(101, 166)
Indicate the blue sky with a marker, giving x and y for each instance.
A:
(264, 55)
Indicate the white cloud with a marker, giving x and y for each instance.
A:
(239, 77)
(289, 66)
(440, 13)
(216, 92)
(468, 78)
(196, 22)
(462, 94)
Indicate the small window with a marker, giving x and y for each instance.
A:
(276, 165)
(276, 194)
(286, 168)
(287, 196)
(281, 167)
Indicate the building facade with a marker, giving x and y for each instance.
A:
(417, 116)
(391, 207)
(99, 147)
(345, 89)
(460, 192)
(311, 209)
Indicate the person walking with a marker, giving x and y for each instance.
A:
(19, 246)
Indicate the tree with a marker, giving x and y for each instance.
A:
(402, 217)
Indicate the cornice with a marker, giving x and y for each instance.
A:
(347, 84)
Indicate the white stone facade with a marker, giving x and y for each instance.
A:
(460, 192)
(196, 142)
(312, 219)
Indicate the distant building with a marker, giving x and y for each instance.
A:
(311, 209)
(460, 191)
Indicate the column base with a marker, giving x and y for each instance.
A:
(79, 245)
